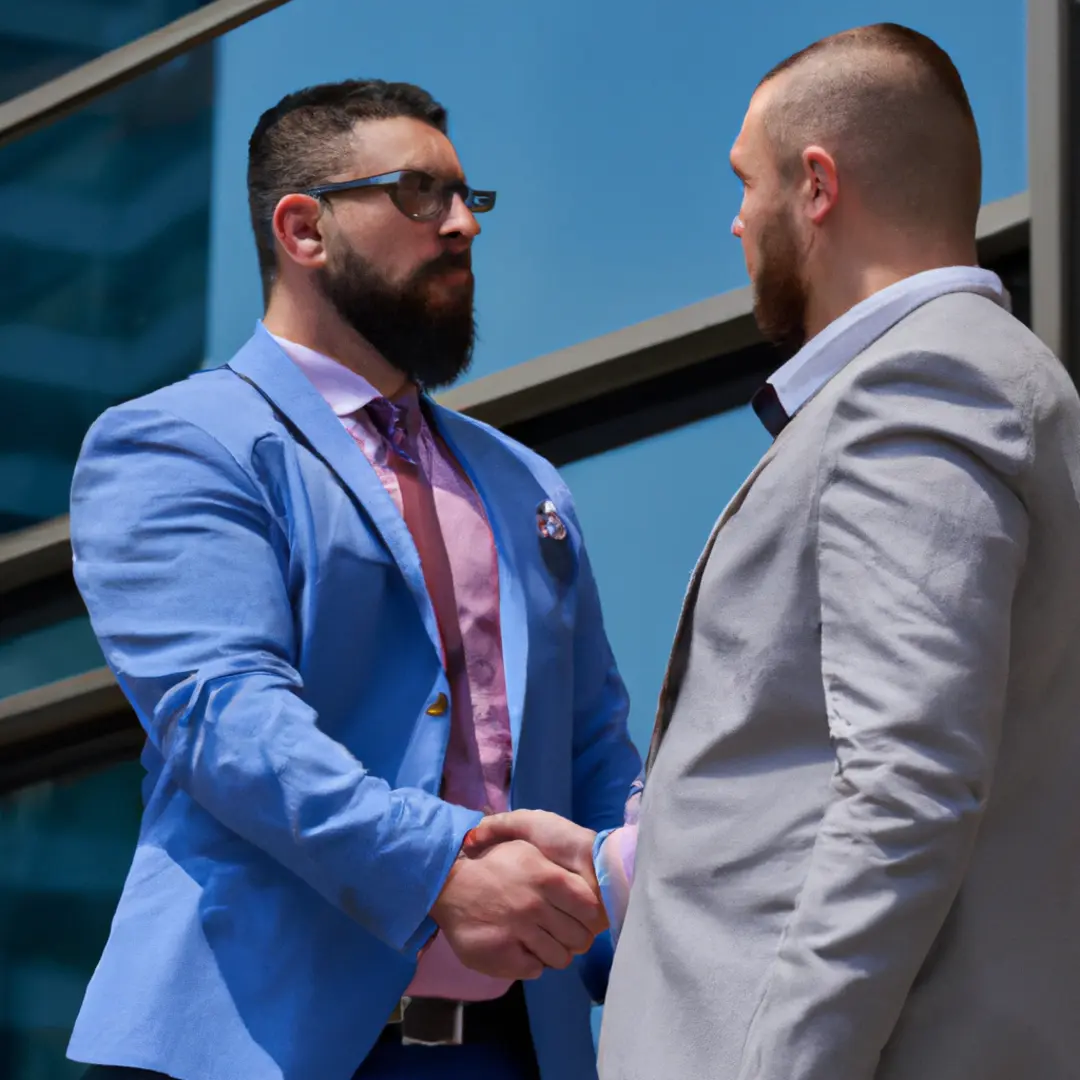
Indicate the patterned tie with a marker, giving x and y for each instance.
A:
(391, 420)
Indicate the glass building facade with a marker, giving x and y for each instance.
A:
(107, 224)
(605, 128)
(105, 241)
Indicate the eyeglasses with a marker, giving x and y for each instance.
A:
(416, 194)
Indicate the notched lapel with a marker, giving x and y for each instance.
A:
(303, 409)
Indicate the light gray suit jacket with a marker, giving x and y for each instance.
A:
(859, 854)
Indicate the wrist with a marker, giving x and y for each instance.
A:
(439, 908)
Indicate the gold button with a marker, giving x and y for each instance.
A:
(439, 706)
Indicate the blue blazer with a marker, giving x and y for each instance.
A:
(261, 602)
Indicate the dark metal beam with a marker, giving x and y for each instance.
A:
(69, 92)
(658, 347)
(65, 728)
(33, 554)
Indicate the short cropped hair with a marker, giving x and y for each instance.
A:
(889, 104)
(305, 139)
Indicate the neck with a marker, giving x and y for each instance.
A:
(311, 322)
(855, 278)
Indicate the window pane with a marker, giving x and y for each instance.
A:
(44, 655)
(64, 852)
(647, 510)
(111, 247)
(46, 38)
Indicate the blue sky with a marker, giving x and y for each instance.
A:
(605, 127)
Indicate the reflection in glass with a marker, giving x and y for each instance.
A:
(42, 39)
(106, 225)
(64, 852)
(46, 654)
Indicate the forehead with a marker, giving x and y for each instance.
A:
(382, 146)
(751, 144)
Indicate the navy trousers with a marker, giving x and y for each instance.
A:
(392, 1061)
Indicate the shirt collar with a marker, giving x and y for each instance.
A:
(827, 353)
(342, 389)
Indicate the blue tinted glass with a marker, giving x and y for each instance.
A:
(52, 652)
(647, 510)
(65, 849)
(108, 230)
(607, 142)
(46, 38)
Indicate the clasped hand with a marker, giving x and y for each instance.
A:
(523, 897)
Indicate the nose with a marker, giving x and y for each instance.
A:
(738, 227)
(460, 220)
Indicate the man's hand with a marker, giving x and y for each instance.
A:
(564, 843)
(510, 912)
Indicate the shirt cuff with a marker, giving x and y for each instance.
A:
(613, 859)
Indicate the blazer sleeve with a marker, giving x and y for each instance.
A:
(920, 540)
(183, 569)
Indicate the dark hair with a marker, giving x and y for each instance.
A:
(893, 105)
(304, 139)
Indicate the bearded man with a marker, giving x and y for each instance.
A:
(351, 623)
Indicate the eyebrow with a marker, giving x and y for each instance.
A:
(437, 173)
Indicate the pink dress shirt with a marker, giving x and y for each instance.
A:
(479, 756)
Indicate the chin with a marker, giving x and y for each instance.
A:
(444, 298)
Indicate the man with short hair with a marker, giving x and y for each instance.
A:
(352, 623)
(857, 849)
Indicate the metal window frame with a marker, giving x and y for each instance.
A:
(66, 728)
(711, 328)
(67, 93)
(1053, 64)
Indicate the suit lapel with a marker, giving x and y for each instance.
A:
(490, 469)
(262, 363)
(676, 667)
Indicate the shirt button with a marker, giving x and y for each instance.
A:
(439, 706)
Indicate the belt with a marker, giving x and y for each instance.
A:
(438, 1022)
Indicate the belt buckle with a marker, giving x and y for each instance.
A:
(432, 1022)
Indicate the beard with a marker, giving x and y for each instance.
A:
(430, 343)
(780, 293)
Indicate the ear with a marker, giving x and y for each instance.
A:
(822, 183)
(297, 226)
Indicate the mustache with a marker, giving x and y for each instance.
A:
(448, 260)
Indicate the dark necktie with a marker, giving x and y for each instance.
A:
(770, 412)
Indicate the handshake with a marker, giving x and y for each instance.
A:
(522, 897)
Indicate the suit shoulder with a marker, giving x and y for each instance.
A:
(962, 348)
(215, 401)
(971, 335)
(959, 369)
